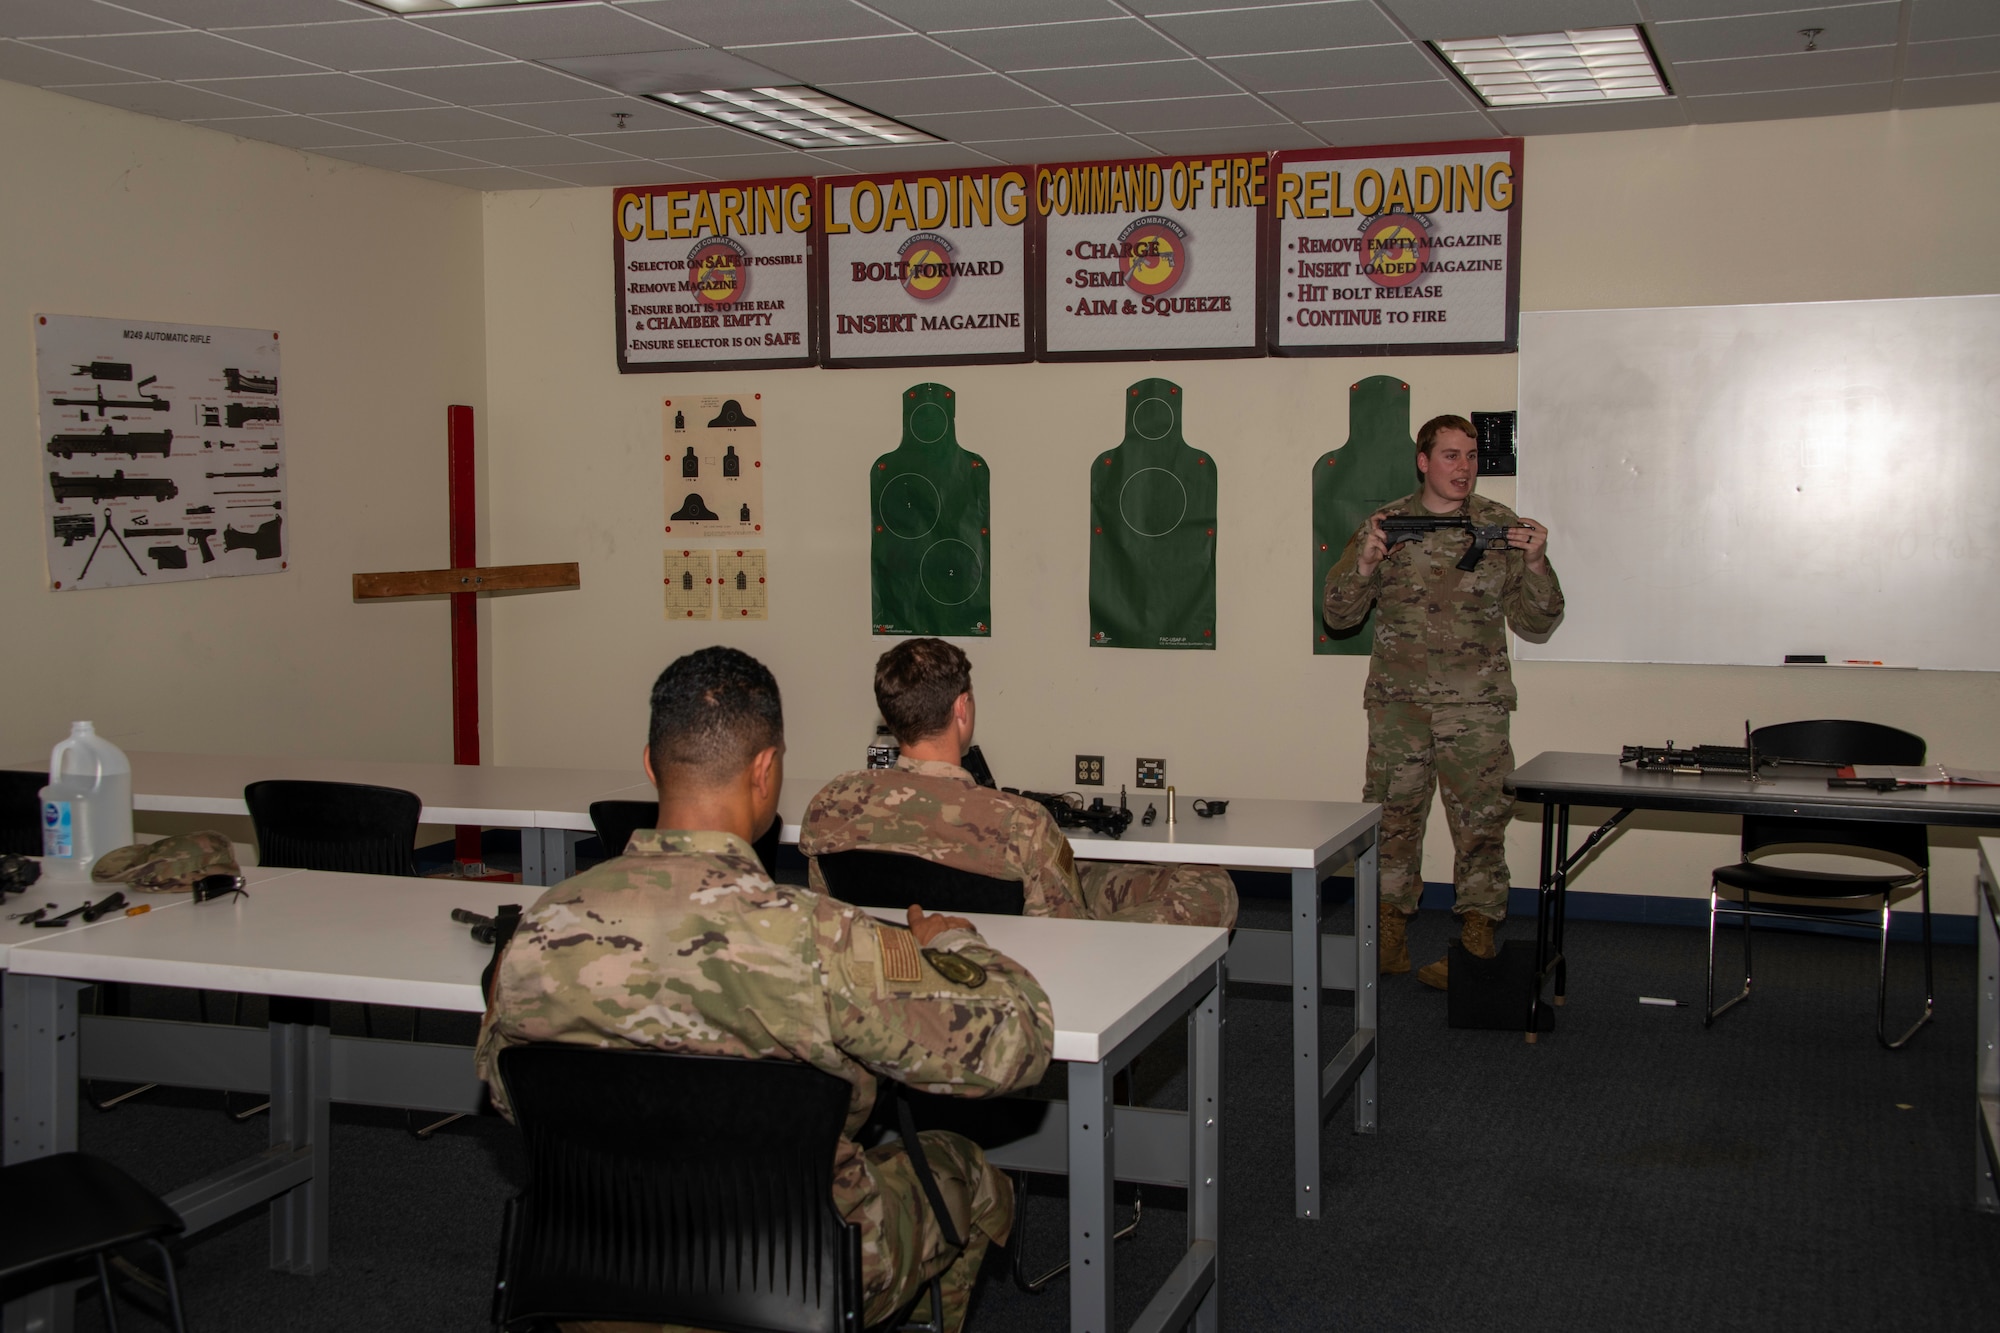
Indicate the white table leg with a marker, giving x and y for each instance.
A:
(1204, 1209)
(1986, 1050)
(1305, 1043)
(41, 1064)
(1092, 1152)
(1367, 888)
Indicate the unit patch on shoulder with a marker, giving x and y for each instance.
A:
(955, 969)
(900, 961)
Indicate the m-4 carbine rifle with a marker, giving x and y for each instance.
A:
(1708, 759)
(1400, 528)
(1071, 812)
(117, 486)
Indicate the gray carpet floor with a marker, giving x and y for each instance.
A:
(1631, 1171)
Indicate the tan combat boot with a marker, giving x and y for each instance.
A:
(1476, 934)
(1392, 938)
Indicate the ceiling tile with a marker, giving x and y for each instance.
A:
(547, 32)
(492, 178)
(1669, 11)
(1933, 20)
(1591, 118)
(908, 56)
(170, 101)
(619, 173)
(1432, 20)
(71, 18)
(178, 55)
(749, 166)
(1035, 122)
(1402, 129)
(1790, 104)
(1436, 97)
(1063, 45)
(431, 126)
(386, 43)
(917, 97)
(1243, 139)
(399, 156)
(291, 131)
(1807, 69)
(1344, 68)
(1071, 148)
(1968, 55)
(1151, 7)
(642, 72)
(598, 115)
(1778, 34)
(706, 140)
(1280, 28)
(1957, 91)
(21, 63)
(315, 94)
(543, 150)
(1128, 83)
(490, 85)
(1185, 113)
(235, 13)
(943, 15)
(916, 157)
(747, 22)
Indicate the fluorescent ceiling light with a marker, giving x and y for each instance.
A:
(1579, 65)
(796, 115)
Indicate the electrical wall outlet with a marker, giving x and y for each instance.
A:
(1153, 773)
(1090, 770)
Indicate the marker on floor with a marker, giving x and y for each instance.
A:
(1664, 1004)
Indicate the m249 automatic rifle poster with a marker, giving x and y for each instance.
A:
(161, 451)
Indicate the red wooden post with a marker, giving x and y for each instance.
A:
(464, 611)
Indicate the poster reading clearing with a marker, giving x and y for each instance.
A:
(1157, 256)
(926, 267)
(713, 276)
(1383, 251)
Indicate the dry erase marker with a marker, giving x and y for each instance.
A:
(1859, 661)
(1664, 1004)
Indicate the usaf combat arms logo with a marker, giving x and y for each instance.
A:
(1396, 248)
(1153, 251)
(718, 271)
(925, 264)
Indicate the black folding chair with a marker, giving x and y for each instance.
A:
(867, 877)
(21, 812)
(1735, 890)
(616, 821)
(679, 1189)
(67, 1206)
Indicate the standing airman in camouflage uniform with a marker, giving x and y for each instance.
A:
(685, 944)
(1439, 689)
(929, 806)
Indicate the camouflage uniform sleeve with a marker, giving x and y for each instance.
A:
(1348, 593)
(1532, 602)
(985, 1030)
(1049, 882)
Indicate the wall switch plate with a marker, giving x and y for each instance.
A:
(1090, 770)
(1153, 773)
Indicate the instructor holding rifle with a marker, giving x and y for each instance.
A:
(1445, 570)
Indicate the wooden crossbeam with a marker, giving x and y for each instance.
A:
(481, 578)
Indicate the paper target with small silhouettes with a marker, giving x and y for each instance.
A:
(929, 511)
(1376, 465)
(1152, 530)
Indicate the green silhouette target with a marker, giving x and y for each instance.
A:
(1152, 530)
(1376, 465)
(929, 548)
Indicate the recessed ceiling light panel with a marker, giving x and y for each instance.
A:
(1577, 65)
(796, 115)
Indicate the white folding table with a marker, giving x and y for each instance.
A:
(305, 937)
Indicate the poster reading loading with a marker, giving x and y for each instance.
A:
(1152, 530)
(715, 465)
(929, 267)
(1396, 250)
(1154, 256)
(713, 276)
(162, 451)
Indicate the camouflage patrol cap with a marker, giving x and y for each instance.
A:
(171, 865)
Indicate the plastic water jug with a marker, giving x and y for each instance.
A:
(87, 806)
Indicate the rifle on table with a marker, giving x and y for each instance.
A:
(1400, 528)
(1073, 813)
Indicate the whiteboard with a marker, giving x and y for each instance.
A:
(1732, 484)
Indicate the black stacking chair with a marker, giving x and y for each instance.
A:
(335, 826)
(615, 822)
(21, 812)
(867, 877)
(64, 1207)
(1736, 890)
(678, 1189)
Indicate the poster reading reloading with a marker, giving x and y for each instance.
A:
(1156, 256)
(713, 276)
(162, 451)
(926, 267)
(715, 465)
(1388, 251)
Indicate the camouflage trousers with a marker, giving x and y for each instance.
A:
(1463, 749)
(1176, 895)
(901, 1245)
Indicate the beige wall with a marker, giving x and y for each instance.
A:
(375, 282)
(1867, 206)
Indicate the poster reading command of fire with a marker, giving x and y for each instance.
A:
(926, 266)
(713, 276)
(1154, 256)
(1400, 250)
